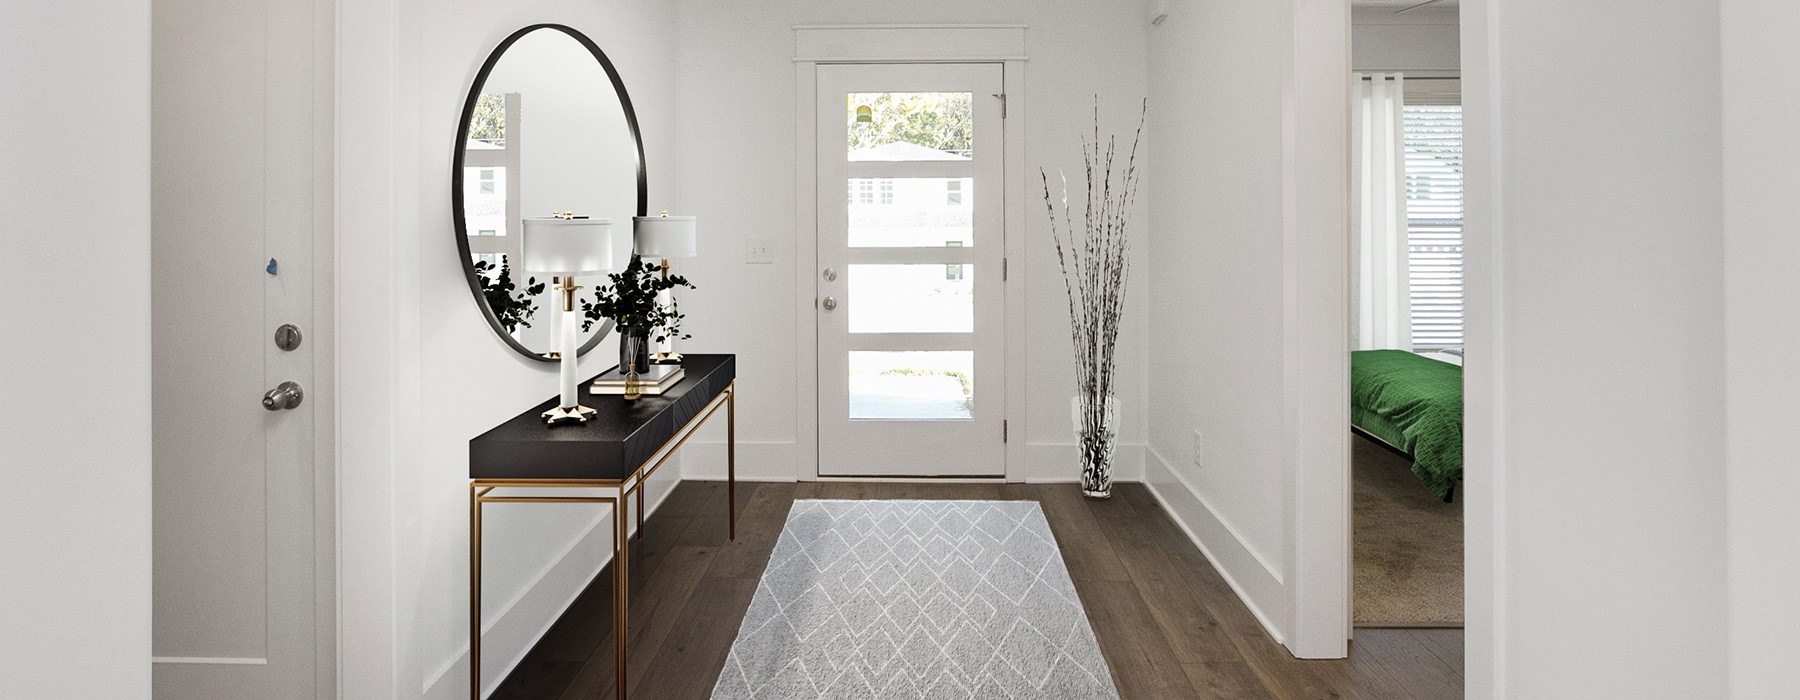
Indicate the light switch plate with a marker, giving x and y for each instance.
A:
(759, 251)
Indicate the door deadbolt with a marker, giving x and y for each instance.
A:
(284, 396)
(287, 337)
(829, 303)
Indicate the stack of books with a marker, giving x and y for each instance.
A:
(652, 382)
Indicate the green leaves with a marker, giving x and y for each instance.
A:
(937, 120)
(513, 310)
(630, 300)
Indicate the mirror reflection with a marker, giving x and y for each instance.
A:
(546, 132)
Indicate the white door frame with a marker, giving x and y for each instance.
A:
(1483, 338)
(1315, 320)
(986, 43)
(1320, 594)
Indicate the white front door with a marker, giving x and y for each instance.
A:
(911, 257)
(240, 193)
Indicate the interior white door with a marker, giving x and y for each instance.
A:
(912, 264)
(239, 193)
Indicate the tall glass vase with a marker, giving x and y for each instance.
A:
(1096, 429)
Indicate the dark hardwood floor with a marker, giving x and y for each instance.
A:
(1169, 625)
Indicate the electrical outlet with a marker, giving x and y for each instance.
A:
(1199, 444)
(759, 251)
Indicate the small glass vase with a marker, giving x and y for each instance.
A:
(1096, 433)
(634, 358)
(634, 349)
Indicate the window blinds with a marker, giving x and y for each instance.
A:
(1434, 223)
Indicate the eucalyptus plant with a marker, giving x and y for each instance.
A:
(631, 299)
(514, 310)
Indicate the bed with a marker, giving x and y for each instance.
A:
(1413, 404)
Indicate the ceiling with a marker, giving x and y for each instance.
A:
(1400, 4)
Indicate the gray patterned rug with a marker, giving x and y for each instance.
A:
(915, 599)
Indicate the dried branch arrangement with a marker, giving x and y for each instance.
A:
(1095, 261)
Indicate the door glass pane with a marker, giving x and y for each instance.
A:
(484, 200)
(911, 212)
(912, 298)
(936, 385)
(896, 126)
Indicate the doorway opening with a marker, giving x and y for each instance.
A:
(1407, 315)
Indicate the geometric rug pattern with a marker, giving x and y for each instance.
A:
(915, 599)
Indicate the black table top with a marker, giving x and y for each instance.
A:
(615, 441)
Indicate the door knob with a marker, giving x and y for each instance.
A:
(829, 303)
(284, 396)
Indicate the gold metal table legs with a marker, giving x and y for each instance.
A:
(481, 493)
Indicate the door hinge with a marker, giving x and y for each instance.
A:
(1002, 97)
(1003, 431)
(1005, 264)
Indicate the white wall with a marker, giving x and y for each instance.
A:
(75, 446)
(1606, 480)
(736, 115)
(1249, 274)
(1426, 39)
(1217, 274)
(536, 557)
(1762, 249)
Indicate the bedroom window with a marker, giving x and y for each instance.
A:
(1434, 223)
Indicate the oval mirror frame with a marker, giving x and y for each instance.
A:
(457, 213)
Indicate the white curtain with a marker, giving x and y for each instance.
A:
(1381, 317)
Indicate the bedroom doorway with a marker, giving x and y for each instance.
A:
(1407, 316)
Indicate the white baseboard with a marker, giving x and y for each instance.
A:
(525, 618)
(1254, 580)
(756, 461)
(779, 461)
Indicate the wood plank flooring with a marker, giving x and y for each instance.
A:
(1167, 622)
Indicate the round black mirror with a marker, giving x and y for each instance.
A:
(547, 127)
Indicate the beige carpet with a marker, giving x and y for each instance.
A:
(1408, 545)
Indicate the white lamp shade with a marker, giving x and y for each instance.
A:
(664, 236)
(555, 246)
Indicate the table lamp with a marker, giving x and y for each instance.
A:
(665, 237)
(563, 246)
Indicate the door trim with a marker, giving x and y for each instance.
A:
(973, 43)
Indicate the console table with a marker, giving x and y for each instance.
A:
(620, 446)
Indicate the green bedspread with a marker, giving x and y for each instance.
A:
(1414, 403)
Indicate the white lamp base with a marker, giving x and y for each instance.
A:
(567, 414)
(570, 410)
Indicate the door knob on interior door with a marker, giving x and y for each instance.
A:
(284, 396)
(829, 304)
